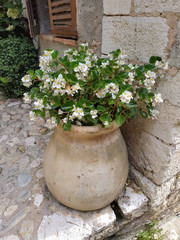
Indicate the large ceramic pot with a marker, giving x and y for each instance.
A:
(86, 168)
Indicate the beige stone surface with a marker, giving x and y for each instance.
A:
(117, 7)
(157, 160)
(141, 37)
(157, 194)
(148, 6)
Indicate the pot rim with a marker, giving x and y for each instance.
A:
(88, 130)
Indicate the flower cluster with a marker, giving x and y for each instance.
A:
(84, 89)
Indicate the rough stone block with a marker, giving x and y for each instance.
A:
(157, 160)
(175, 52)
(141, 37)
(132, 202)
(70, 224)
(149, 6)
(157, 194)
(117, 7)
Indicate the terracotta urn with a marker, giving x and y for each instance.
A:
(87, 167)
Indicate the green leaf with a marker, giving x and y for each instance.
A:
(68, 105)
(105, 117)
(71, 78)
(153, 59)
(87, 103)
(55, 64)
(34, 90)
(111, 101)
(132, 104)
(39, 73)
(54, 54)
(91, 120)
(119, 119)
(149, 67)
(67, 126)
(119, 109)
(30, 72)
(101, 108)
(143, 93)
(143, 113)
(96, 85)
(43, 113)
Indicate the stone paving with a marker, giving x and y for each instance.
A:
(27, 209)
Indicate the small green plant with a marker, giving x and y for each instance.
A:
(17, 55)
(11, 19)
(152, 232)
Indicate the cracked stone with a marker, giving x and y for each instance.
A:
(70, 224)
(23, 195)
(24, 179)
(10, 210)
(26, 230)
(132, 201)
(14, 220)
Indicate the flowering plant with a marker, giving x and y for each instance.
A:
(83, 89)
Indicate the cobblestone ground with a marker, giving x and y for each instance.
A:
(27, 209)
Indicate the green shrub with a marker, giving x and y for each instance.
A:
(17, 56)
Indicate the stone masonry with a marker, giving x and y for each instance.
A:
(143, 29)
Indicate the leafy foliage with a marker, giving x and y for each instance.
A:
(17, 56)
(152, 232)
(82, 89)
(11, 19)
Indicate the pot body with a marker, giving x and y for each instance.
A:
(86, 168)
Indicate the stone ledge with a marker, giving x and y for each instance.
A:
(132, 202)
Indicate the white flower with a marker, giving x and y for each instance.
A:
(126, 97)
(65, 120)
(26, 98)
(131, 66)
(106, 123)
(150, 74)
(32, 116)
(101, 93)
(104, 64)
(48, 106)
(93, 113)
(158, 98)
(76, 87)
(165, 65)
(27, 82)
(78, 112)
(154, 113)
(60, 112)
(45, 60)
(51, 123)
(71, 117)
(112, 88)
(39, 104)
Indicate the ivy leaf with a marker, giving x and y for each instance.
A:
(67, 126)
(119, 119)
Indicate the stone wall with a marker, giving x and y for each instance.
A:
(144, 28)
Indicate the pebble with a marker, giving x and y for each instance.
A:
(24, 179)
(11, 237)
(36, 163)
(40, 174)
(3, 138)
(26, 230)
(5, 117)
(13, 141)
(22, 149)
(12, 104)
(10, 210)
(14, 220)
(3, 204)
(30, 141)
(23, 195)
(38, 199)
(43, 130)
(25, 106)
